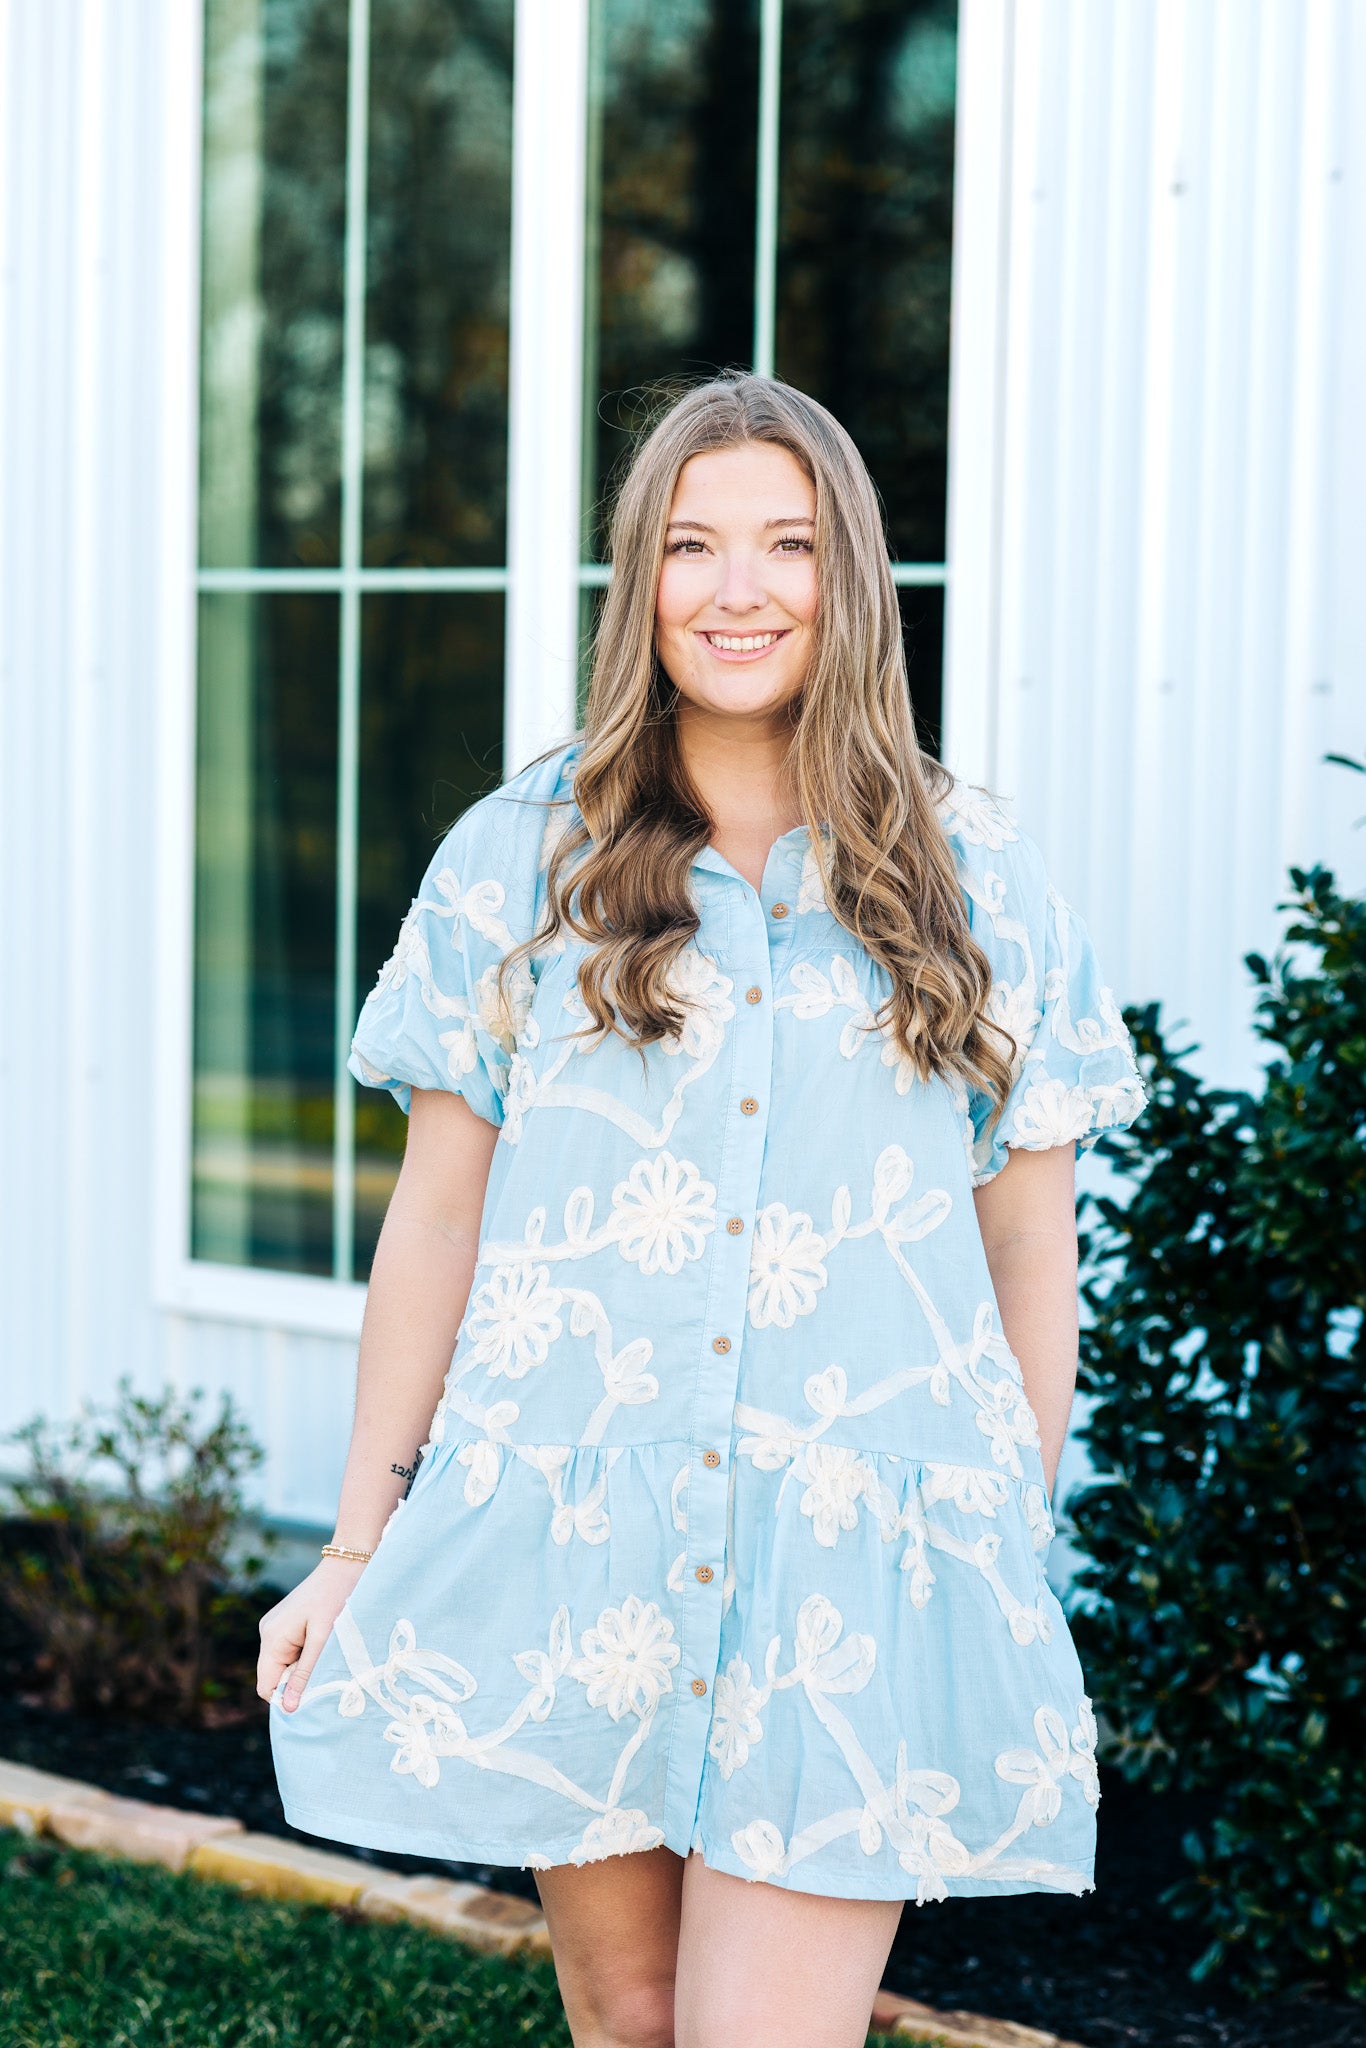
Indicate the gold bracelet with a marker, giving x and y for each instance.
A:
(343, 1550)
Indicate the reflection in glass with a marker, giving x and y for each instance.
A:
(274, 209)
(436, 359)
(431, 742)
(264, 952)
(865, 234)
(671, 169)
(922, 631)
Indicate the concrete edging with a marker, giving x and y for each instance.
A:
(272, 1866)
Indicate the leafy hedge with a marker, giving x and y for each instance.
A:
(1222, 1620)
(120, 1561)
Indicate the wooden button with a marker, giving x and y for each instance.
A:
(735, 1225)
(720, 1343)
(755, 994)
(704, 1572)
(749, 1105)
(711, 1457)
(699, 1685)
(780, 910)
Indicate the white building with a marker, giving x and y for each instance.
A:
(1086, 278)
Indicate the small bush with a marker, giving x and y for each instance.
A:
(1222, 1607)
(120, 1569)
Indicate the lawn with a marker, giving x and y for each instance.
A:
(101, 1953)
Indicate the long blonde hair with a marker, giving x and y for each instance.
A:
(854, 760)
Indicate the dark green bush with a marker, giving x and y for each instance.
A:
(1222, 1614)
(120, 1567)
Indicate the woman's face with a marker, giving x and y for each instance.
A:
(736, 606)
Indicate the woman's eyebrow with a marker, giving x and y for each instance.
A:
(700, 526)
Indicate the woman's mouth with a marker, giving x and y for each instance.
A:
(743, 646)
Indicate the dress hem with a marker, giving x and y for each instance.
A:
(351, 1831)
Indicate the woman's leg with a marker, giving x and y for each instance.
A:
(762, 1967)
(614, 1935)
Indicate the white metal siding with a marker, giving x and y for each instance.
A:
(1159, 623)
(1183, 426)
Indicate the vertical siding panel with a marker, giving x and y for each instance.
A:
(1330, 829)
(1105, 556)
(1319, 707)
(88, 689)
(1259, 608)
(1216, 679)
(1164, 173)
(1023, 498)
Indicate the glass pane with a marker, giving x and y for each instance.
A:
(274, 229)
(865, 233)
(592, 596)
(922, 630)
(436, 362)
(672, 120)
(265, 911)
(431, 742)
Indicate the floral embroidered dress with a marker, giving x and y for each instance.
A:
(729, 1533)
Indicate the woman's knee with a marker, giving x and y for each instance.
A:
(623, 2011)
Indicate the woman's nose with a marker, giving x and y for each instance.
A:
(739, 589)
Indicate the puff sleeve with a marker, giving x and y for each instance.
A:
(1074, 1072)
(434, 1018)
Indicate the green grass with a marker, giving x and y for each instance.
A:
(98, 1952)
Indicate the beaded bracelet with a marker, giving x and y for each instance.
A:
(343, 1550)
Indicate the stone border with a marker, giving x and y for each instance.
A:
(272, 1866)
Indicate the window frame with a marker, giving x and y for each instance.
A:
(545, 574)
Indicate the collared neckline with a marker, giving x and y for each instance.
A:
(793, 842)
(793, 845)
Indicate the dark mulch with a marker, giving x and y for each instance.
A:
(1108, 1970)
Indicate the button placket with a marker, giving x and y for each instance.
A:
(745, 1105)
(760, 932)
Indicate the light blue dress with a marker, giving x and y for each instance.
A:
(730, 1530)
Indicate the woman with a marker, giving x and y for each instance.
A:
(745, 1054)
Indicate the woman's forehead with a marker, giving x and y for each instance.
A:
(744, 477)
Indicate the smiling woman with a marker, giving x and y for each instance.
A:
(731, 1274)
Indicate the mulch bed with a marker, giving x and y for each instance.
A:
(1108, 1970)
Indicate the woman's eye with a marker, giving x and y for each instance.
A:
(676, 547)
(797, 541)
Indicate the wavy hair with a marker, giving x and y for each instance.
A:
(619, 877)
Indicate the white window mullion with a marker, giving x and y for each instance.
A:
(348, 682)
(766, 187)
(545, 430)
(977, 384)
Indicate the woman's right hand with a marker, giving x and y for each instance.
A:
(296, 1629)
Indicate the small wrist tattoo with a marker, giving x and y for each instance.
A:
(408, 1472)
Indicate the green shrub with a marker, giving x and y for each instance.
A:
(1222, 1609)
(121, 1566)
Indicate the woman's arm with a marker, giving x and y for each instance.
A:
(419, 1284)
(1028, 1220)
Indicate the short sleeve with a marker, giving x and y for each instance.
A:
(1074, 1072)
(434, 1018)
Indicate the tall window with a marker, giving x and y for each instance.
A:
(769, 183)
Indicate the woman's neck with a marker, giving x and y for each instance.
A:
(741, 776)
